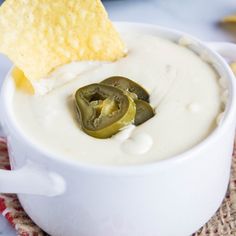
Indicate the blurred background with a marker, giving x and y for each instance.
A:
(201, 18)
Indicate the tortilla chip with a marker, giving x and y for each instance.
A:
(233, 67)
(230, 19)
(21, 81)
(41, 35)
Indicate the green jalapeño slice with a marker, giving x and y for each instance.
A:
(103, 110)
(144, 112)
(136, 91)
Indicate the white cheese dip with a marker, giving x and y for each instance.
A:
(184, 90)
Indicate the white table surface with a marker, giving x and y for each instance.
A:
(197, 17)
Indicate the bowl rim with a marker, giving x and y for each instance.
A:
(133, 169)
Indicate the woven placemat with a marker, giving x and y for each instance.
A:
(223, 223)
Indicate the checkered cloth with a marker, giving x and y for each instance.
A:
(10, 206)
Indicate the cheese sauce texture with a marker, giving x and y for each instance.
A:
(184, 91)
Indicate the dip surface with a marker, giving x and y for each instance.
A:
(184, 90)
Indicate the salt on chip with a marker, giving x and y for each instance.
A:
(40, 35)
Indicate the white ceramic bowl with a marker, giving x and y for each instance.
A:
(173, 197)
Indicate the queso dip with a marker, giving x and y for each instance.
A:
(184, 91)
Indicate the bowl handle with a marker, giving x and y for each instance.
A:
(32, 179)
(226, 50)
